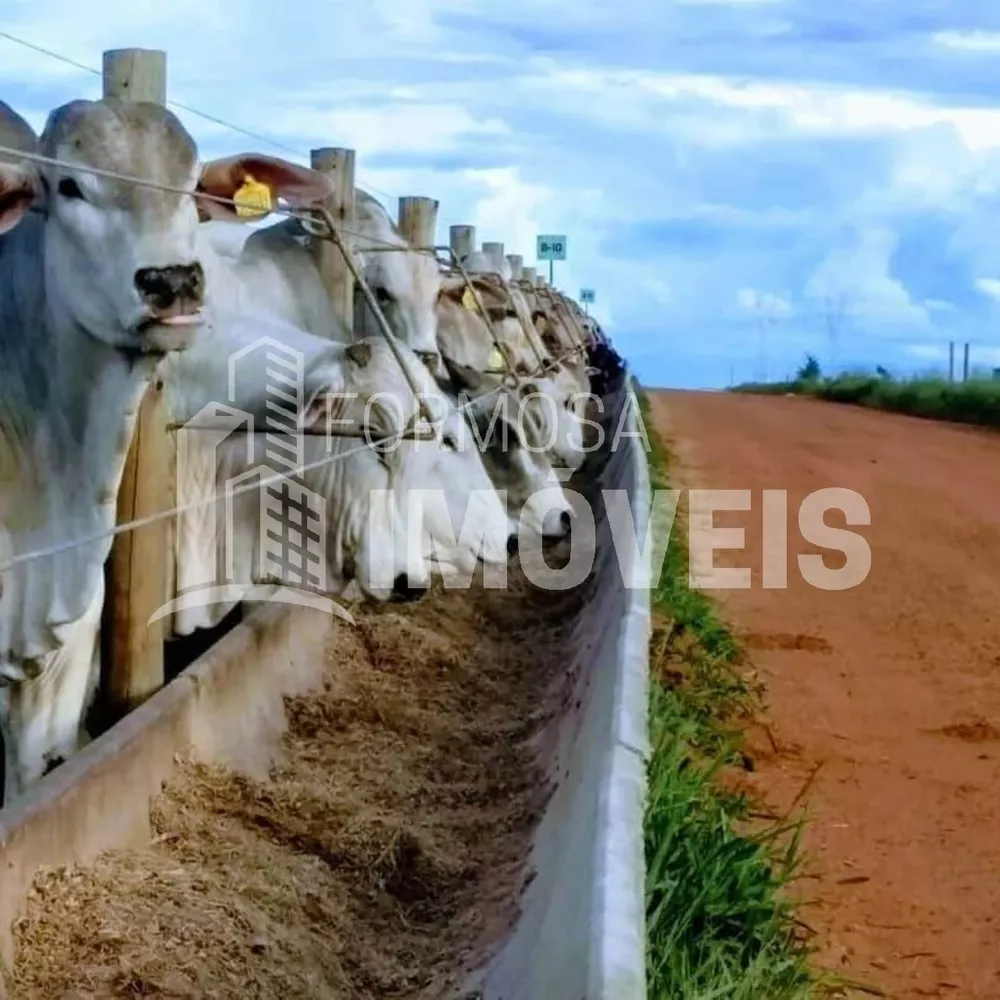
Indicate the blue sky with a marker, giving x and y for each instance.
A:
(742, 181)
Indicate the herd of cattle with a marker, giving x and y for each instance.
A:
(105, 282)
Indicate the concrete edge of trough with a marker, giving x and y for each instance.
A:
(620, 929)
(581, 931)
(227, 706)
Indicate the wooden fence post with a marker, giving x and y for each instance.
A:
(140, 564)
(494, 251)
(418, 220)
(462, 239)
(338, 163)
(516, 262)
(136, 75)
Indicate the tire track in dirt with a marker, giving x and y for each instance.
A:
(884, 698)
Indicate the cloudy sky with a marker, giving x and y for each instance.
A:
(741, 181)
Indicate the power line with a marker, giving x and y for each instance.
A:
(162, 515)
(140, 522)
(156, 185)
(177, 104)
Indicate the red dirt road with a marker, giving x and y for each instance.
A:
(887, 694)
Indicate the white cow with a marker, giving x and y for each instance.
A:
(554, 400)
(280, 277)
(480, 262)
(96, 289)
(558, 336)
(405, 282)
(515, 450)
(464, 337)
(363, 491)
(524, 323)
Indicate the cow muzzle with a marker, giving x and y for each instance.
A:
(406, 588)
(172, 299)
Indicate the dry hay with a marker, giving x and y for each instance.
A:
(385, 853)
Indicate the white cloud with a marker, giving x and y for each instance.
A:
(565, 117)
(763, 303)
(939, 306)
(969, 41)
(512, 212)
(989, 286)
(857, 274)
(775, 109)
(415, 128)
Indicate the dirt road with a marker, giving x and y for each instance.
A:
(887, 694)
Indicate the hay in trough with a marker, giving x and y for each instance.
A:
(384, 855)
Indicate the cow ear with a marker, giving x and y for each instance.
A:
(452, 285)
(19, 188)
(263, 179)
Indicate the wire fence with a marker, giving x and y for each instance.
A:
(364, 240)
(204, 115)
(136, 523)
(199, 195)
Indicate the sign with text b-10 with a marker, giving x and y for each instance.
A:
(587, 296)
(551, 248)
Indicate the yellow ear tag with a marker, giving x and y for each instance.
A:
(252, 199)
(496, 360)
(469, 300)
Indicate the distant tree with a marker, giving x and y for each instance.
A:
(882, 372)
(810, 371)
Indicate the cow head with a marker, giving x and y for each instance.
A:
(463, 333)
(388, 554)
(405, 282)
(515, 463)
(122, 260)
(552, 416)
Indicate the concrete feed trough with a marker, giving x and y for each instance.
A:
(577, 931)
(582, 932)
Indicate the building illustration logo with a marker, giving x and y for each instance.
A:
(271, 544)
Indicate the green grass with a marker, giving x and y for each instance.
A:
(719, 924)
(976, 401)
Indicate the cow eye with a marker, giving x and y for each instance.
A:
(69, 188)
(450, 442)
(382, 296)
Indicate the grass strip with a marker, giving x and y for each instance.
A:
(976, 401)
(719, 923)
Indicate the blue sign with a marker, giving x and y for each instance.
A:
(587, 295)
(551, 248)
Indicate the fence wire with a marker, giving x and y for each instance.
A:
(303, 215)
(177, 104)
(171, 189)
(126, 526)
